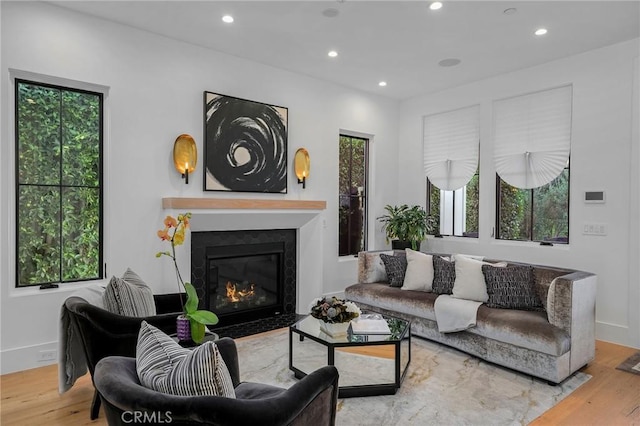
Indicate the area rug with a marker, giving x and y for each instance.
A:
(442, 386)
(631, 364)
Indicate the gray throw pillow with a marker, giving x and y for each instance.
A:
(129, 296)
(165, 366)
(396, 267)
(511, 287)
(444, 275)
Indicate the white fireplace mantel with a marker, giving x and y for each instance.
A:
(231, 214)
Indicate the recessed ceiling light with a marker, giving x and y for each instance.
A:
(330, 13)
(435, 5)
(332, 53)
(540, 31)
(227, 18)
(449, 62)
(510, 11)
(382, 83)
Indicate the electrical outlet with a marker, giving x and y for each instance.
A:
(46, 356)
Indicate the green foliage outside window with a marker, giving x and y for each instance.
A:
(472, 206)
(539, 214)
(59, 197)
(352, 177)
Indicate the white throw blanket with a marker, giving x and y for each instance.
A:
(71, 360)
(455, 314)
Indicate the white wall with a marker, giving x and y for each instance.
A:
(155, 93)
(604, 156)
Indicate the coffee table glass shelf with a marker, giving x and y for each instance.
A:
(369, 364)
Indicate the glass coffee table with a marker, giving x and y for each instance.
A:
(369, 364)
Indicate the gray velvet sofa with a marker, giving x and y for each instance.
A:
(550, 344)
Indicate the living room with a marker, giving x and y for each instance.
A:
(153, 87)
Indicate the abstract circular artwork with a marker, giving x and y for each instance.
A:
(245, 145)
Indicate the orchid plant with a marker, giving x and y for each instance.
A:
(174, 232)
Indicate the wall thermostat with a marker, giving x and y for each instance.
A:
(594, 197)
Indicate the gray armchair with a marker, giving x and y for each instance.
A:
(311, 401)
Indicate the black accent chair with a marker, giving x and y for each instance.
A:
(311, 401)
(105, 334)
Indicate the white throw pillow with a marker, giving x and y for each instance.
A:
(469, 283)
(419, 274)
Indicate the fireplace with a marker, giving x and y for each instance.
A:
(243, 276)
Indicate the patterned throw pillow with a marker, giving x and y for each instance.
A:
(129, 296)
(165, 366)
(395, 266)
(444, 275)
(511, 288)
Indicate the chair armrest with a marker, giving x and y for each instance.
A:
(229, 353)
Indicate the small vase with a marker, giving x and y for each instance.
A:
(337, 329)
(183, 328)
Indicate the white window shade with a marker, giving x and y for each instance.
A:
(451, 145)
(532, 137)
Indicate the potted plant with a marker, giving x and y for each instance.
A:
(404, 226)
(174, 232)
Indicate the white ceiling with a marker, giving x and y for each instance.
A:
(400, 42)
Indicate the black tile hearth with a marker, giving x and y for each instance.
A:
(257, 326)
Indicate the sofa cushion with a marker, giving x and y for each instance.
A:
(129, 296)
(165, 366)
(419, 274)
(444, 275)
(395, 266)
(511, 288)
(526, 329)
(410, 302)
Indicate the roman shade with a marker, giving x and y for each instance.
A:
(451, 146)
(532, 137)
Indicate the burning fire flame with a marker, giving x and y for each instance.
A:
(235, 295)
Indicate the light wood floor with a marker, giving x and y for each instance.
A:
(611, 397)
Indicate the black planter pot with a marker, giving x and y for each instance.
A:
(401, 245)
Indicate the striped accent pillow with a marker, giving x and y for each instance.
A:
(165, 366)
(129, 296)
(511, 288)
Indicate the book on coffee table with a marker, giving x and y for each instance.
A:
(370, 326)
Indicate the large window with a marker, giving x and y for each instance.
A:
(454, 212)
(352, 206)
(532, 143)
(538, 214)
(58, 184)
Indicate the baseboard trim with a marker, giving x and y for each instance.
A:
(26, 357)
(614, 333)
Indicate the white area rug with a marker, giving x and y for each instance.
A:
(442, 387)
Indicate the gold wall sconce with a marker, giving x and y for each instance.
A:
(302, 165)
(185, 155)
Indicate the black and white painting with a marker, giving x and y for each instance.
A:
(245, 145)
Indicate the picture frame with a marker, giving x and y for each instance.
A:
(245, 145)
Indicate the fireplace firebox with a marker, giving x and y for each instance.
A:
(243, 276)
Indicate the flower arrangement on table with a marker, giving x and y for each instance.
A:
(174, 232)
(333, 310)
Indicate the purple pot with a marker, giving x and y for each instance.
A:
(183, 329)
